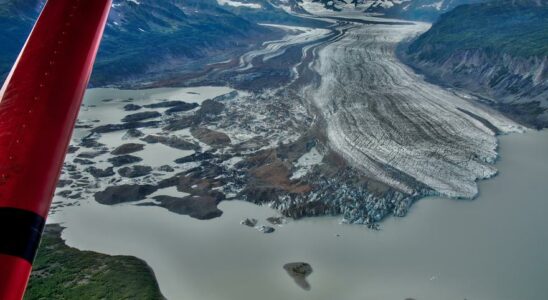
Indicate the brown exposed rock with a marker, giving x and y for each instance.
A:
(100, 173)
(271, 180)
(181, 123)
(254, 143)
(211, 107)
(211, 137)
(277, 174)
(124, 193)
(121, 160)
(199, 207)
(127, 149)
(171, 141)
(137, 117)
(134, 171)
(260, 158)
(299, 271)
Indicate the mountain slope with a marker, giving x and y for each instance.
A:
(150, 37)
(498, 49)
(155, 37)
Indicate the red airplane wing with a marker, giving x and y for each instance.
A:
(38, 108)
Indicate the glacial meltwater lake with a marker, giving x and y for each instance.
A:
(492, 248)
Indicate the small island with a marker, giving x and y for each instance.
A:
(299, 271)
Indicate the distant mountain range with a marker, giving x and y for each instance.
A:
(427, 10)
(497, 49)
(145, 38)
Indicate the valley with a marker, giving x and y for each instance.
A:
(323, 121)
(242, 166)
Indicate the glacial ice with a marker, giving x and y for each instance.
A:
(388, 121)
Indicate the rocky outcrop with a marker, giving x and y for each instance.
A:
(72, 149)
(90, 142)
(64, 182)
(91, 154)
(198, 156)
(210, 107)
(211, 137)
(127, 149)
(133, 133)
(132, 107)
(173, 106)
(121, 160)
(134, 171)
(125, 126)
(83, 161)
(100, 173)
(181, 123)
(124, 193)
(269, 178)
(249, 222)
(299, 271)
(166, 168)
(137, 117)
(198, 207)
(266, 229)
(171, 141)
(276, 220)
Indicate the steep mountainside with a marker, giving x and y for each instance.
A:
(149, 37)
(497, 49)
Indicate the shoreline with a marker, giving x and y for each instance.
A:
(170, 236)
(87, 274)
(190, 255)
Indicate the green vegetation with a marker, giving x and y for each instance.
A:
(516, 28)
(62, 272)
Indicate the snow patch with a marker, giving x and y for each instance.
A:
(239, 4)
(306, 162)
